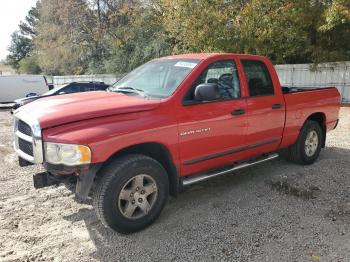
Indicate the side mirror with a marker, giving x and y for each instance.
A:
(61, 93)
(207, 92)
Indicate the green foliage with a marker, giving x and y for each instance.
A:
(200, 26)
(64, 37)
(141, 40)
(29, 65)
(115, 36)
(289, 31)
(337, 14)
(275, 30)
(19, 48)
(334, 33)
(29, 26)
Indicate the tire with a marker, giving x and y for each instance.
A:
(120, 201)
(301, 152)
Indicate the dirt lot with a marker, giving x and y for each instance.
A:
(276, 211)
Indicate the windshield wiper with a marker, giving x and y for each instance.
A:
(129, 89)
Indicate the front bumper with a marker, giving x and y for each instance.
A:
(45, 179)
(81, 177)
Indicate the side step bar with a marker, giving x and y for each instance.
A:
(197, 178)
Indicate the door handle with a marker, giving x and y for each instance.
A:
(238, 112)
(276, 106)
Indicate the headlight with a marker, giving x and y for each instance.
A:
(67, 154)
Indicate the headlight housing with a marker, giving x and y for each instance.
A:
(67, 154)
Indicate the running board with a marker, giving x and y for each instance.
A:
(197, 178)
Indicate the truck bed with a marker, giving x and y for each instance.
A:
(302, 102)
(295, 89)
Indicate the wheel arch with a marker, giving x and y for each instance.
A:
(158, 152)
(320, 118)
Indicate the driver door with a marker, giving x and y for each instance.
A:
(212, 134)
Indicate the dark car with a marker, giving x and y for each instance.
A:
(74, 87)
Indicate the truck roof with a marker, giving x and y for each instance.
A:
(203, 56)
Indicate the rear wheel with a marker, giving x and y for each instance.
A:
(131, 193)
(308, 146)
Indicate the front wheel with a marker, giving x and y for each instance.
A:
(308, 146)
(131, 193)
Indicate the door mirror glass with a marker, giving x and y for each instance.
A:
(207, 92)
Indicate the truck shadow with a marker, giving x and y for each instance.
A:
(213, 200)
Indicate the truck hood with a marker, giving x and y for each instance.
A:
(63, 109)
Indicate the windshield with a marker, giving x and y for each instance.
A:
(158, 78)
(54, 90)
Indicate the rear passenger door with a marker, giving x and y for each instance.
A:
(265, 108)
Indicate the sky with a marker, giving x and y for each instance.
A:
(11, 13)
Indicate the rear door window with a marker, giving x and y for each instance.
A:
(258, 78)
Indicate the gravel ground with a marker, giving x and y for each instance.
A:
(276, 211)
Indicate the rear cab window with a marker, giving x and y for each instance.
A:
(258, 78)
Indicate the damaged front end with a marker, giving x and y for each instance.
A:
(78, 180)
(69, 168)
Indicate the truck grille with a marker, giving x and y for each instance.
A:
(24, 128)
(25, 146)
(28, 143)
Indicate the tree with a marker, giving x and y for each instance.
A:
(114, 36)
(29, 65)
(22, 45)
(28, 27)
(335, 33)
(274, 28)
(201, 26)
(139, 37)
(19, 48)
(64, 38)
(288, 31)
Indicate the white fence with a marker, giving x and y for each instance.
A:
(108, 79)
(322, 75)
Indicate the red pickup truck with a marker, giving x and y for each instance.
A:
(172, 122)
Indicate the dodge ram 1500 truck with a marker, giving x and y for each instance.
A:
(171, 122)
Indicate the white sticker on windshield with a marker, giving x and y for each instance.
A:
(185, 64)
